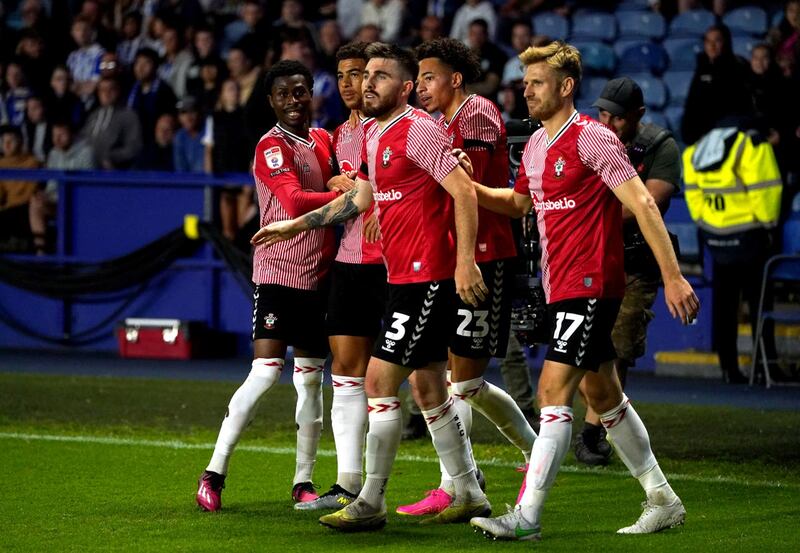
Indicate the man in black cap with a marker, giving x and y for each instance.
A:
(656, 157)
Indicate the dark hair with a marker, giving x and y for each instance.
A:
(287, 68)
(454, 54)
(11, 129)
(481, 23)
(148, 53)
(405, 58)
(352, 51)
(727, 41)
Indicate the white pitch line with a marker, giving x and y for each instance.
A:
(494, 462)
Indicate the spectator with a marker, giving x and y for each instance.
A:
(521, 35)
(92, 12)
(785, 38)
(492, 59)
(159, 155)
(348, 14)
(113, 131)
(387, 15)
(176, 62)
(189, 152)
(250, 30)
(110, 67)
(330, 39)
(149, 97)
(443, 10)
(767, 87)
(84, 61)
(292, 18)
(34, 63)
(226, 151)
(368, 33)
(203, 52)
(327, 107)
(14, 96)
(66, 154)
(252, 94)
(429, 29)
(61, 103)
(211, 77)
(473, 10)
(35, 129)
(719, 86)
(15, 194)
(131, 38)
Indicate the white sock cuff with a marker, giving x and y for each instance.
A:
(347, 385)
(555, 413)
(468, 389)
(383, 408)
(263, 367)
(308, 371)
(613, 417)
(439, 416)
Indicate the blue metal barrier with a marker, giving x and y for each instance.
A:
(104, 214)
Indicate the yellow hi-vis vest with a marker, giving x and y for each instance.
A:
(732, 183)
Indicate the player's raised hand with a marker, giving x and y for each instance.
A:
(342, 183)
(372, 231)
(469, 284)
(463, 160)
(274, 233)
(681, 300)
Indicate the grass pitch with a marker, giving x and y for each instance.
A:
(107, 464)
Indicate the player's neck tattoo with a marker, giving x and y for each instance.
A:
(338, 211)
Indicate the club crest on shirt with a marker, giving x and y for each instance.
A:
(269, 321)
(559, 167)
(306, 168)
(345, 166)
(387, 154)
(274, 157)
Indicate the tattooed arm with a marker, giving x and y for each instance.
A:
(345, 207)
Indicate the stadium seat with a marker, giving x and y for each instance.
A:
(674, 114)
(655, 118)
(748, 19)
(655, 93)
(551, 24)
(590, 90)
(776, 19)
(649, 25)
(594, 26)
(634, 5)
(743, 44)
(682, 53)
(678, 83)
(692, 23)
(622, 44)
(645, 56)
(597, 57)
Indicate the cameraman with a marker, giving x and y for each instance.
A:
(656, 157)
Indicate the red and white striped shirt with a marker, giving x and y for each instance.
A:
(348, 142)
(291, 173)
(570, 179)
(477, 128)
(406, 161)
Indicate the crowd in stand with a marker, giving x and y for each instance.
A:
(176, 85)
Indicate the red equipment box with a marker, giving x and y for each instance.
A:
(171, 339)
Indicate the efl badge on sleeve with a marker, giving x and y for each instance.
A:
(269, 321)
(387, 154)
(559, 167)
(274, 157)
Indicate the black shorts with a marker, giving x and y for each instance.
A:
(417, 324)
(291, 315)
(582, 331)
(357, 299)
(482, 331)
